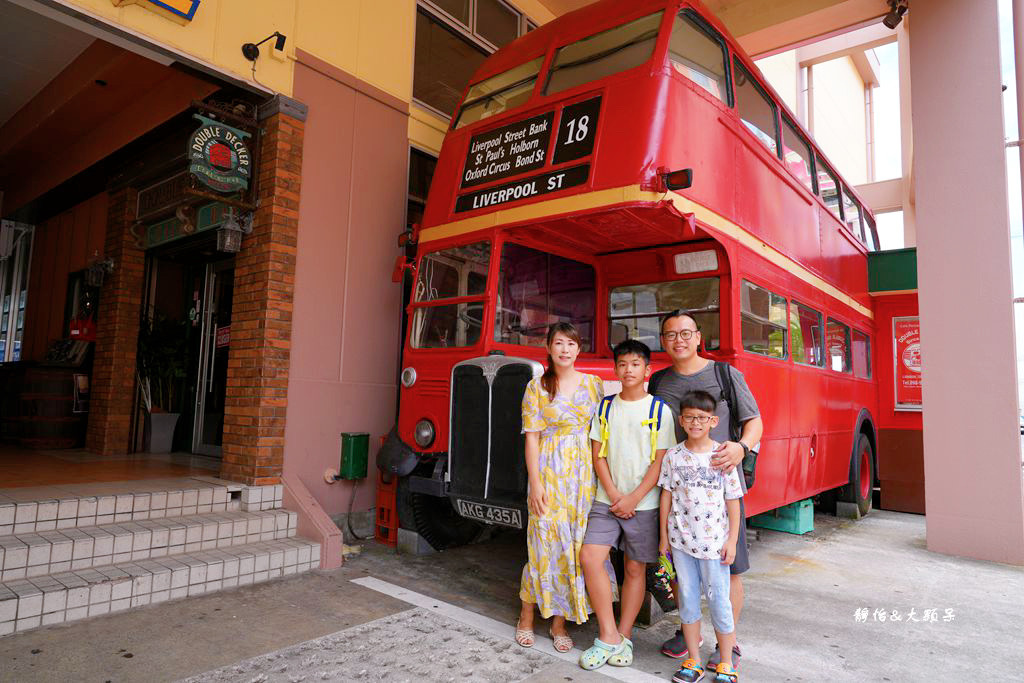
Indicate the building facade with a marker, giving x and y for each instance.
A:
(116, 268)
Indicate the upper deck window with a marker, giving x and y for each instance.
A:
(796, 154)
(755, 109)
(870, 233)
(535, 289)
(635, 312)
(851, 213)
(447, 274)
(499, 93)
(604, 54)
(828, 188)
(699, 54)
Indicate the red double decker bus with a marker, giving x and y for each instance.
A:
(622, 161)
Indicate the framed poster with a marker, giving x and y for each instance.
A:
(906, 345)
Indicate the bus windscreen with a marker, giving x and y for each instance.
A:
(604, 54)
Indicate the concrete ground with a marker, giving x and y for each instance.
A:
(814, 610)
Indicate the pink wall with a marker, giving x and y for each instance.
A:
(973, 488)
(346, 321)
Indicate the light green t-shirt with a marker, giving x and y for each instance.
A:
(629, 446)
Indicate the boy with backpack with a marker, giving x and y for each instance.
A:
(629, 436)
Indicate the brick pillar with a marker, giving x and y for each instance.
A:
(261, 311)
(117, 332)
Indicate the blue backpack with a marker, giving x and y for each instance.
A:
(653, 422)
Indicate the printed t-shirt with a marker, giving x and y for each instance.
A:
(629, 446)
(698, 523)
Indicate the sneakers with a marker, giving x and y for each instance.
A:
(690, 672)
(716, 657)
(675, 647)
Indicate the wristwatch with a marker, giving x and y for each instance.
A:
(746, 449)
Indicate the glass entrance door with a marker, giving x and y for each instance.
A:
(214, 342)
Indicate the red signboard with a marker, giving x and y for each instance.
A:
(223, 336)
(906, 337)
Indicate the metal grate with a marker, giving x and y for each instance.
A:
(487, 447)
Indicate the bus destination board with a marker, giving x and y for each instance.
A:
(543, 183)
(510, 150)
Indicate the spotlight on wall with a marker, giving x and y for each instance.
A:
(897, 8)
(252, 50)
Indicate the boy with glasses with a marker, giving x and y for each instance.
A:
(681, 339)
(699, 524)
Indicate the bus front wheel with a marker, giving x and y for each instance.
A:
(862, 477)
(435, 519)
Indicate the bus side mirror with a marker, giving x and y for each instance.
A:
(678, 180)
(401, 265)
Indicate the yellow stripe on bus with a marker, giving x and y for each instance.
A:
(632, 193)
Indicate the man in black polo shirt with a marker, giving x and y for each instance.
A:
(681, 338)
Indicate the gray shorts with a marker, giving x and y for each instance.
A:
(636, 536)
(742, 561)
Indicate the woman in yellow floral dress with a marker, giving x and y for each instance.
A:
(557, 409)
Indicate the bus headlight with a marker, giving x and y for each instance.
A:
(423, 434)
(408, 377)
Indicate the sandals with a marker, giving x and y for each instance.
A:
(690, 672)
(602, 653)
(524, 637)
(725, 674)
(624, 658)
(562, 643)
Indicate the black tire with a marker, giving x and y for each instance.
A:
(435, 519)
(861, 486)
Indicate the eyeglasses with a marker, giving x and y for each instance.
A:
(682, 334)
(699, 419)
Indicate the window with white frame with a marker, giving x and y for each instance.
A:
(453, 37)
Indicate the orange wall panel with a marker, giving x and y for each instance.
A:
(63, 244)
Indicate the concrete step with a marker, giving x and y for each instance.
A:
(77, 594)
(34, 554)
(53, 508)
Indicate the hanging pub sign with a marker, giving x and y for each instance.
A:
(218, 156)
(906, 343)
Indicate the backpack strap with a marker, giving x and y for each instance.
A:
(654, 381)
(724, 376)
(653, 422)
(604, 409)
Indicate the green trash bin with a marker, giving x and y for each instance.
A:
(355, 447)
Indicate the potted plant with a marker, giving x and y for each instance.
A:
(162, 353)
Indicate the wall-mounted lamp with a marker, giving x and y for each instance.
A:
(98, 270)
(251, 51)
(229, 234)
(897, 8)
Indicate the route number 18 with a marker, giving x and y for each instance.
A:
(578, 129)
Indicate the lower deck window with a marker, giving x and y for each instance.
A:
(763, 321)
(837, 342)
(861, 355)
(536, 289)
(635, 311)
(448, 274)
(807, 338)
